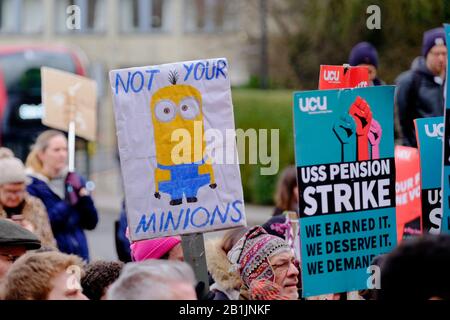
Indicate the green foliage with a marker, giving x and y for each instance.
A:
(328, 29)
(258, 109)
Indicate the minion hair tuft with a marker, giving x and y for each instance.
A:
(173, 77)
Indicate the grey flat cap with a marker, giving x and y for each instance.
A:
(13, 235)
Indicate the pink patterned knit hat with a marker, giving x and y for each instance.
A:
(250, 256)
(153, 249)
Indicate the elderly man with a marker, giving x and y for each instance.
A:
(15, 202)
(420, 91)
(14, 242)
(261, 256)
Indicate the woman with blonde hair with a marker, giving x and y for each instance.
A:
(64, 194)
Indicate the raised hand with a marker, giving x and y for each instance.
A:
(374, 137)
(344, 128)
(361, 113)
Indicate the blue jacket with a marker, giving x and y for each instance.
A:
(67, 221)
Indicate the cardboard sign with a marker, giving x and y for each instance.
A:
(408, 195)
(430, 132)
(346, 173)
(445, 226)
(176, 138)
(68, 97)
(339, 77)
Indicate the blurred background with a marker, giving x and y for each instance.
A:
(273, 48)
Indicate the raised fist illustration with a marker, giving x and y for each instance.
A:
(360, 111)
(344, 128)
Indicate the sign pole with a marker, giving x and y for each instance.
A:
(194, 254)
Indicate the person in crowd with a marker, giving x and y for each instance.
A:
(420, 91)
(365, 54)
(98, 277)
(286, 194)
(15, 202)
(167, 248)
(226, 284)
(259, 255)
(417, 270)
(69, 205)
(44, 276)
(122, 243)
(154, 280)
(15, 241)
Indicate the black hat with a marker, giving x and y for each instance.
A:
(13, 235)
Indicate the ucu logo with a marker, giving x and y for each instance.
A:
(436, 132)
(331, 75)
(313, 104)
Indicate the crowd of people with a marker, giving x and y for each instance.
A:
(44, 210)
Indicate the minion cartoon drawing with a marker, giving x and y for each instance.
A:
(179, 107)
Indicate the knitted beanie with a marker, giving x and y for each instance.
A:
(250, 256)
(12, 169)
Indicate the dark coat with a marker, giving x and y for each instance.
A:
(419, 95)
(68, 222)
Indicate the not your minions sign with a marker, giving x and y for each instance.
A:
(172, 121)
(344, 141)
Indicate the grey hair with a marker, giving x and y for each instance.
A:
(150, 280)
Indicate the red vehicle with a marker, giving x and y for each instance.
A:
(21, 107)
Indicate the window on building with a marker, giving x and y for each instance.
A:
(92, 18)
(20, 16)
(143, 15)
(211, 15)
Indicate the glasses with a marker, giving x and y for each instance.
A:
(286, 265)
(9, 257)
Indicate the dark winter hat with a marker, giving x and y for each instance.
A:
(432, 38)
(363, 53)
(13, 235)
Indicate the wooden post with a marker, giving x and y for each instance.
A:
(194, 254)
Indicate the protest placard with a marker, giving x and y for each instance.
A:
(407, 190)
(171, 123)
(68, 97)
(340, 77)
(344, 148)
(430, 132)
(445, 225)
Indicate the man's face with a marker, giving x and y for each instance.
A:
(66, 287)
(7, 257)
(437, 59)
(286, 274)
(12, 194)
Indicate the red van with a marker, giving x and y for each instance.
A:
(20, 90)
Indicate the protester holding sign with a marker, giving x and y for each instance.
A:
(420, 91)
(68, 202)
(365, 54)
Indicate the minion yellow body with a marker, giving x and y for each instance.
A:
(179, 107)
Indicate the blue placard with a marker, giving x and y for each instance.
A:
(445, 226)
(344, 143)
(430, 133)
